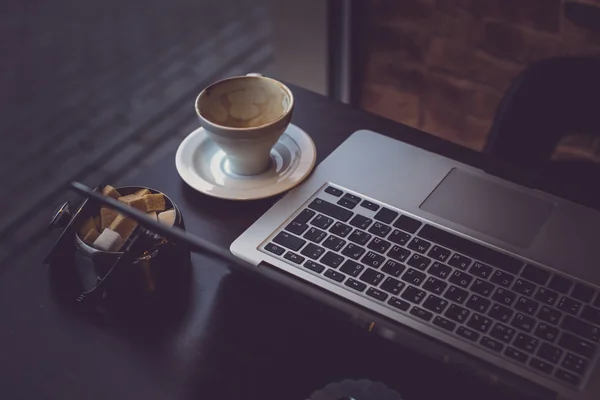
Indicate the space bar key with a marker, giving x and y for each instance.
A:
(331, 210)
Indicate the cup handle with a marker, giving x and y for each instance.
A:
(255, 74)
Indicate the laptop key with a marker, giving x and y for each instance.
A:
(297, 228)
(568, 377)
(312, 251)
(440, 270)
(582, 292)
(541, 365)
(481, 270)
(459, 261)
(527, 305)
(524, 287)
(315, 235)
(293, 257)
(516, 354)
(332, 260)
(379, 245)
(349, 201)
(413, 294)
(569, 305)
(439, 253)
(535, 274)
(457, 313)
(479, 323)
(504, 296)
(413, 276)
(393, 286)
(503, 333)
(420, 313)
(331, 210)
(334, 243)
(500, 313)
(398, 253)
(273, 248)
(399, 237)
(560, 284)
(577, 345)
(435, 304)
(339, 229)
(380, 229)
(407, 224)
(523, 322)
(502, 278)
(526, 342)
(491, 344)
(399, 304)
(482, 287)
(373, 259)
(351, 268)
(591, 314)
(435, 285)
(575, 363)
(444, 323)
(359, 237)
(546, 332)
(467, 333)
(419, 245)
(549, 352)
(392, 267)
(353, 251)
(418, 261)
(369, 205)
(304, 216)
(356, 285)
(372, 276)
(549, 315)
(336, 276)
(333, 191)
(321, 221)
(377, 294)
(478, 303)
(460, 278)
(456, 294)
(546, 296)
(360, 221)
(313, 266)
(386, 215)
(581, 328)
(289, 241)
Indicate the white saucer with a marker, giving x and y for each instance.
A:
(203, 166)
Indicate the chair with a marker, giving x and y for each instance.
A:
(547, 101)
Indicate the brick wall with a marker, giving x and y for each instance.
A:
(443, 65)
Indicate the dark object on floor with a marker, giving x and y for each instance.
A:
(547, 101)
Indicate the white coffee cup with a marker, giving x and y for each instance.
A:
(245, 116)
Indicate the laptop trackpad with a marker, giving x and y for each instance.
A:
(488, 207)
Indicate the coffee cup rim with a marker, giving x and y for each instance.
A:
(245, 129)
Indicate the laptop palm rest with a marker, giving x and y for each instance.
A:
(503, 212)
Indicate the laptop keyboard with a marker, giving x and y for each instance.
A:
(543, 321)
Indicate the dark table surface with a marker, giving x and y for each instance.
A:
(230, 333)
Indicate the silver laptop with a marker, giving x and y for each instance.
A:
(506, 274)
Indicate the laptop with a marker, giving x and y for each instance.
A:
(503, 275)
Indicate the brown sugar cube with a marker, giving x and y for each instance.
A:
(107, 216)
(123, 226)
(167, 217)
(154, 202)
(91, 236)
(97, 223)
(152, 214)
(142, 192)
(134, 201)
(111, 191)
(87, 225)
